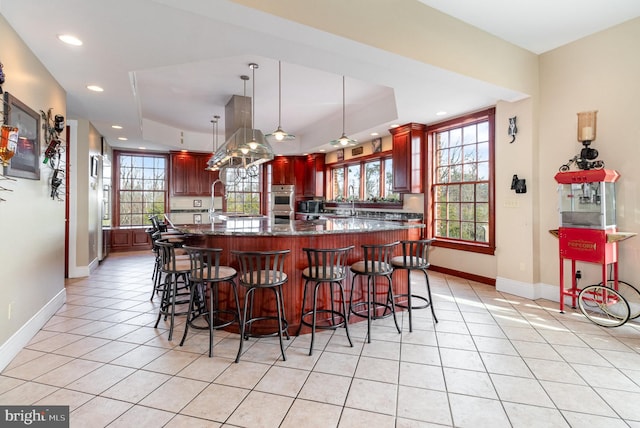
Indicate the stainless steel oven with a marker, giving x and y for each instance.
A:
(282, 201)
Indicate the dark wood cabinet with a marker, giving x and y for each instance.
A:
(313, 176)
(283, 170)
(408, 145)
(188, 174)
(129, 239)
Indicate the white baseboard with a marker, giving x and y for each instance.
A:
(94, 264)
(13, 345)
(528, 290)
(79, 271)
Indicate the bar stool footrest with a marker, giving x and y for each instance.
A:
(341, 323)
(374, 314)
(248, 323)
(400, 297)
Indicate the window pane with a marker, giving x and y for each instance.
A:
(483, 151)
(443, 175)
(372, 180)
(388, 180)
(454, 193)
(453, 229)
(442, 140)
(468, 231)
(469, 134)
(453, 211)
(482, 232)
(482, 192)
(441, 193)
(483, 131)
(455, 137)
(353, 178)
(482, 212)
(442, 157)
(469, 153)
(338, 182)
(483, 171)
(468, 212)
(142, 188)
(470, 172)
(467, 193)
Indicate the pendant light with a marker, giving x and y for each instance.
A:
(343, 141)
(279, 134)
(214, 126)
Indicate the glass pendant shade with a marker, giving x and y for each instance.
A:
(279, 134)
(343, 141)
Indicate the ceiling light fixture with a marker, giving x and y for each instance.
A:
(343, 141)
(95, 88)
(70, 39)
(279, 134)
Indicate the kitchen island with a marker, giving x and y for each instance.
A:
(263, 234)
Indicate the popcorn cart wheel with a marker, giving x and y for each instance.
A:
(603, 306)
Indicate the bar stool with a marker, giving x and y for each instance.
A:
(329, 267)
(415, 256)
(262, 270)
(157, 267)
(376, 264)
(206, 272)
(175, 289)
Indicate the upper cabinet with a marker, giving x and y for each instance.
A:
(408, 143)
(188, 174)
(283, 170)
(313, 176)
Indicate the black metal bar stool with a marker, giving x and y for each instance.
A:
(328, 267)
(376, 264)
(415, 256)
(206, 273)
(175, 288)
(262, 270)
(180, 254)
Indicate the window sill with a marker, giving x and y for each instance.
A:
(465, 246)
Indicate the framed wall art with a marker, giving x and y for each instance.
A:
(25, 163)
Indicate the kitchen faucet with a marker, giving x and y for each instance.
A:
(212, 208)
(352, 191)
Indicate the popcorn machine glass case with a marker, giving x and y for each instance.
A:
(588, 199)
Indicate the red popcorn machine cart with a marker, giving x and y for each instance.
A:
(587, 230)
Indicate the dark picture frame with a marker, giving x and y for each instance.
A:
(340, 154)
(376, 145)
(94, 166)
(25, 163)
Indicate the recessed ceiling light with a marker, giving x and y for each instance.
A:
(116, 126)
(95, 88)
(395, 125)
(441, 113)
(142, 148)
(70, 40)
(374, 134)
(322, 150)
(122, 138)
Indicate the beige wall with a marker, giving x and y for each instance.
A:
(89, 194)
(599, 72)
(32, 239)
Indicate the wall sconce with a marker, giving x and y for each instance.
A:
(519, 185)
(587, 126)
(513, 129)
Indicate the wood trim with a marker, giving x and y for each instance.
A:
(464, 275)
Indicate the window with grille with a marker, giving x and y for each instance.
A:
(142, 188)
(242, 190)
(462, 183)
(371, 178)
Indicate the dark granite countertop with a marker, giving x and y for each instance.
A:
(265, 226)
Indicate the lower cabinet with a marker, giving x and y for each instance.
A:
(129, 240)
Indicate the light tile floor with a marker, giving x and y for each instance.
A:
(493, 360)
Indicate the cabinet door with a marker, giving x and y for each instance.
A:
(408, 145)
(182, 174)
(283, 170)
(401, 162)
